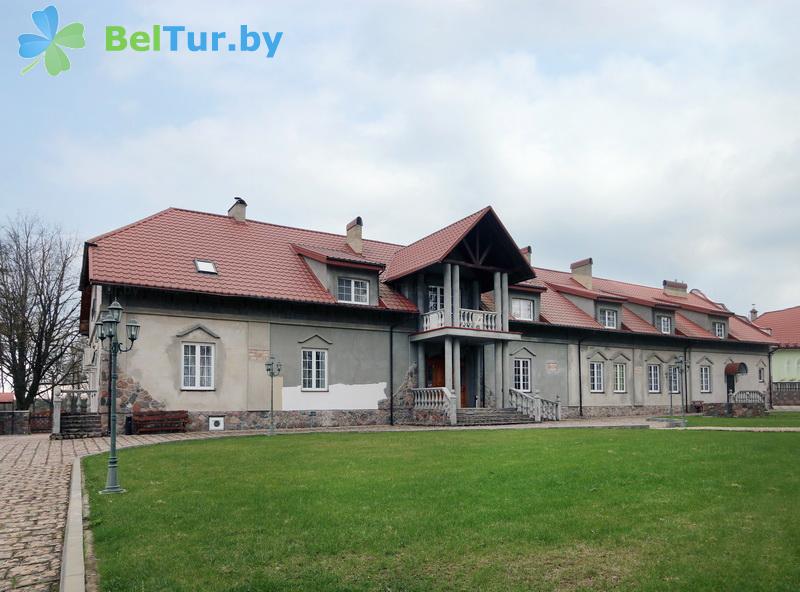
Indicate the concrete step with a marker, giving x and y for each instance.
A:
(80, 425)
(483, 416)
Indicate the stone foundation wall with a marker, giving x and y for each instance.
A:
(429, 417)
(260, 420)
(617, 411)
(786, 396)
(15, 422)
(735, 409)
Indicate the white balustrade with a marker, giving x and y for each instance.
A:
(477, 319)
(534, 406)
(433, 320)
(437, 399)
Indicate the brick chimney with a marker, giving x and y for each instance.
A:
(753, 313)
(354, 240)
(582, 272)
(675, 289)
(527, 253)
(238, 211)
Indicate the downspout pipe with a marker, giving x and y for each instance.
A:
(580, 378)
(772, 350)
(391, 374)
(686, 367)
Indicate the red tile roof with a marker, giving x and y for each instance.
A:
(432, 248)
(743, 330)
(633, 322)
(556, 311)
(691, 329)
(6, 398)
(785, 325)
(253, 259)
(260, 260)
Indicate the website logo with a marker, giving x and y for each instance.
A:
(50, 42)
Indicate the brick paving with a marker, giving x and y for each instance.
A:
(34, 491)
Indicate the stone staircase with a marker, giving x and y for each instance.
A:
(79, 425)
(482, 416)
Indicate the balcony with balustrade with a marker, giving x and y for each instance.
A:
(463, 322)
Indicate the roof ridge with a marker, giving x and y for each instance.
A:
(443, 228)
(325, 232)
(700, 295)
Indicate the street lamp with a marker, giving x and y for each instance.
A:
(107, 329)
(273, 367)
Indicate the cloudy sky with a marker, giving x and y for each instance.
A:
(660, 138)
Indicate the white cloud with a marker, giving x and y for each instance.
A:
(648, 137)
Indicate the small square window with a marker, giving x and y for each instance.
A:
(352, 291)
(719, 329)
(608, 316)
(522, 309)
(205, 266)
(665, 324)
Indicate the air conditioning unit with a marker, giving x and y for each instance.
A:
(216, 424)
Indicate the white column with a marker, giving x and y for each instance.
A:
(457, 370)
(421, 382)
(456, 295)
(497, 295)
(498, 374)
(448, 295)
(506, 372)
(448, 363)
(421, 297)
(56, 428)
(506, 307)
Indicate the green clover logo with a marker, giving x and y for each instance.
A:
(32, 46)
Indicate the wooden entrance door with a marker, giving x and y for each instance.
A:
(436, 370)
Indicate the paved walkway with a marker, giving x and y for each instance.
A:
(35, 477)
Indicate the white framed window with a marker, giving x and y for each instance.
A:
(761, 374)
(665, 324)
(653, 378)
(705, 379)
(522, 309)
(674, 375)
(352, 291)
(314, 370)
(522, 374)
(198, 366)
(620, 385)
(596, 381)
(608, 316)
(435, 297)
(719, 329)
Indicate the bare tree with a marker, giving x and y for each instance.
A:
(39, 305)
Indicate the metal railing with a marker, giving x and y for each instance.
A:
(436, 399)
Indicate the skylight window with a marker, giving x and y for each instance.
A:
(204, 266)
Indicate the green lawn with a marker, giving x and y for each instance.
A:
(774, 419)
(454, 510)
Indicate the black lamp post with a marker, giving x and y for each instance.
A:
(107, 329)
(273, 367)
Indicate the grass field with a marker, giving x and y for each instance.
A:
(454, 510)
(774, 419)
